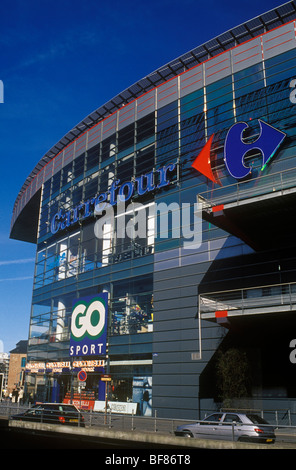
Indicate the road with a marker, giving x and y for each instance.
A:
(13, 438)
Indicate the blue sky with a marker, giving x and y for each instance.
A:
(59, 61)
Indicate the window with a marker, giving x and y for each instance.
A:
(67, 174)
(145, 127)
(192, 141)
(77, 194)
(88, 248)
(132, 306)
(280, 67)
(56, 183)
(216, 417)
(109, 147)
(145, 160)
(248, 80)
(106, 177)
(46, 190)
(219, 98)
(167, 134)
(92, 158)
(43, 225)
(125, 168)
(79, 166)
(252, 106)
(230, 418)
(91, 187)
(126, 138)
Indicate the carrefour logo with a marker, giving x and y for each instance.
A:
(88, 326)
(236, 149)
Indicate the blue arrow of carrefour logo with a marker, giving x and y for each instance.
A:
(235, 149)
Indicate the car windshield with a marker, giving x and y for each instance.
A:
(256, 419)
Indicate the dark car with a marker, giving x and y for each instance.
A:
(230, 426)
(52, 413)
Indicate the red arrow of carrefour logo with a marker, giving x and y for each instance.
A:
(202, 163)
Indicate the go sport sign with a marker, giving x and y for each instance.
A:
(89, 326)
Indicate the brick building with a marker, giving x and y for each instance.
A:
(17, 363)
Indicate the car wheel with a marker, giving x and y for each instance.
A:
(187, 434)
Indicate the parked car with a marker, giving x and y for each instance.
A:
(230, 426)
(52, 413)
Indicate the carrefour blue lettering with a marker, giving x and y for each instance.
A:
(124, 192)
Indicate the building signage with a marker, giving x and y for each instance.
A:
(236, 149)
(89, 326)
(141, 185)
(89, 365)
(34, 367)
(131, 253)
(58, 366)
(116, 407)
(86, 365)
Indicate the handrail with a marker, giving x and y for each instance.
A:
(259, 186)
(270, 295)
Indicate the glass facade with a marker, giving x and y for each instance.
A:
(152, 282)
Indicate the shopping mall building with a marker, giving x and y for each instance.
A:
(163, 225)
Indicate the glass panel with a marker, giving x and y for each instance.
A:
(40, 323)
(46, 190)
(92, 157)
(73, 255)
(61, 317)
(56, 182)
(145, 127)
(67, 174)
(132, 306)
(126, 138)
(88, 248)
(280, 67)
(109, 147)
(125, 168)
(91, 187)
(79, 166)
(144, 160)
(248, 80)
(106, 178)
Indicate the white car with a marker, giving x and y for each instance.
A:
(230, 426)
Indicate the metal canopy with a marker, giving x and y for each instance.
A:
(258, 221)
(248, 30)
